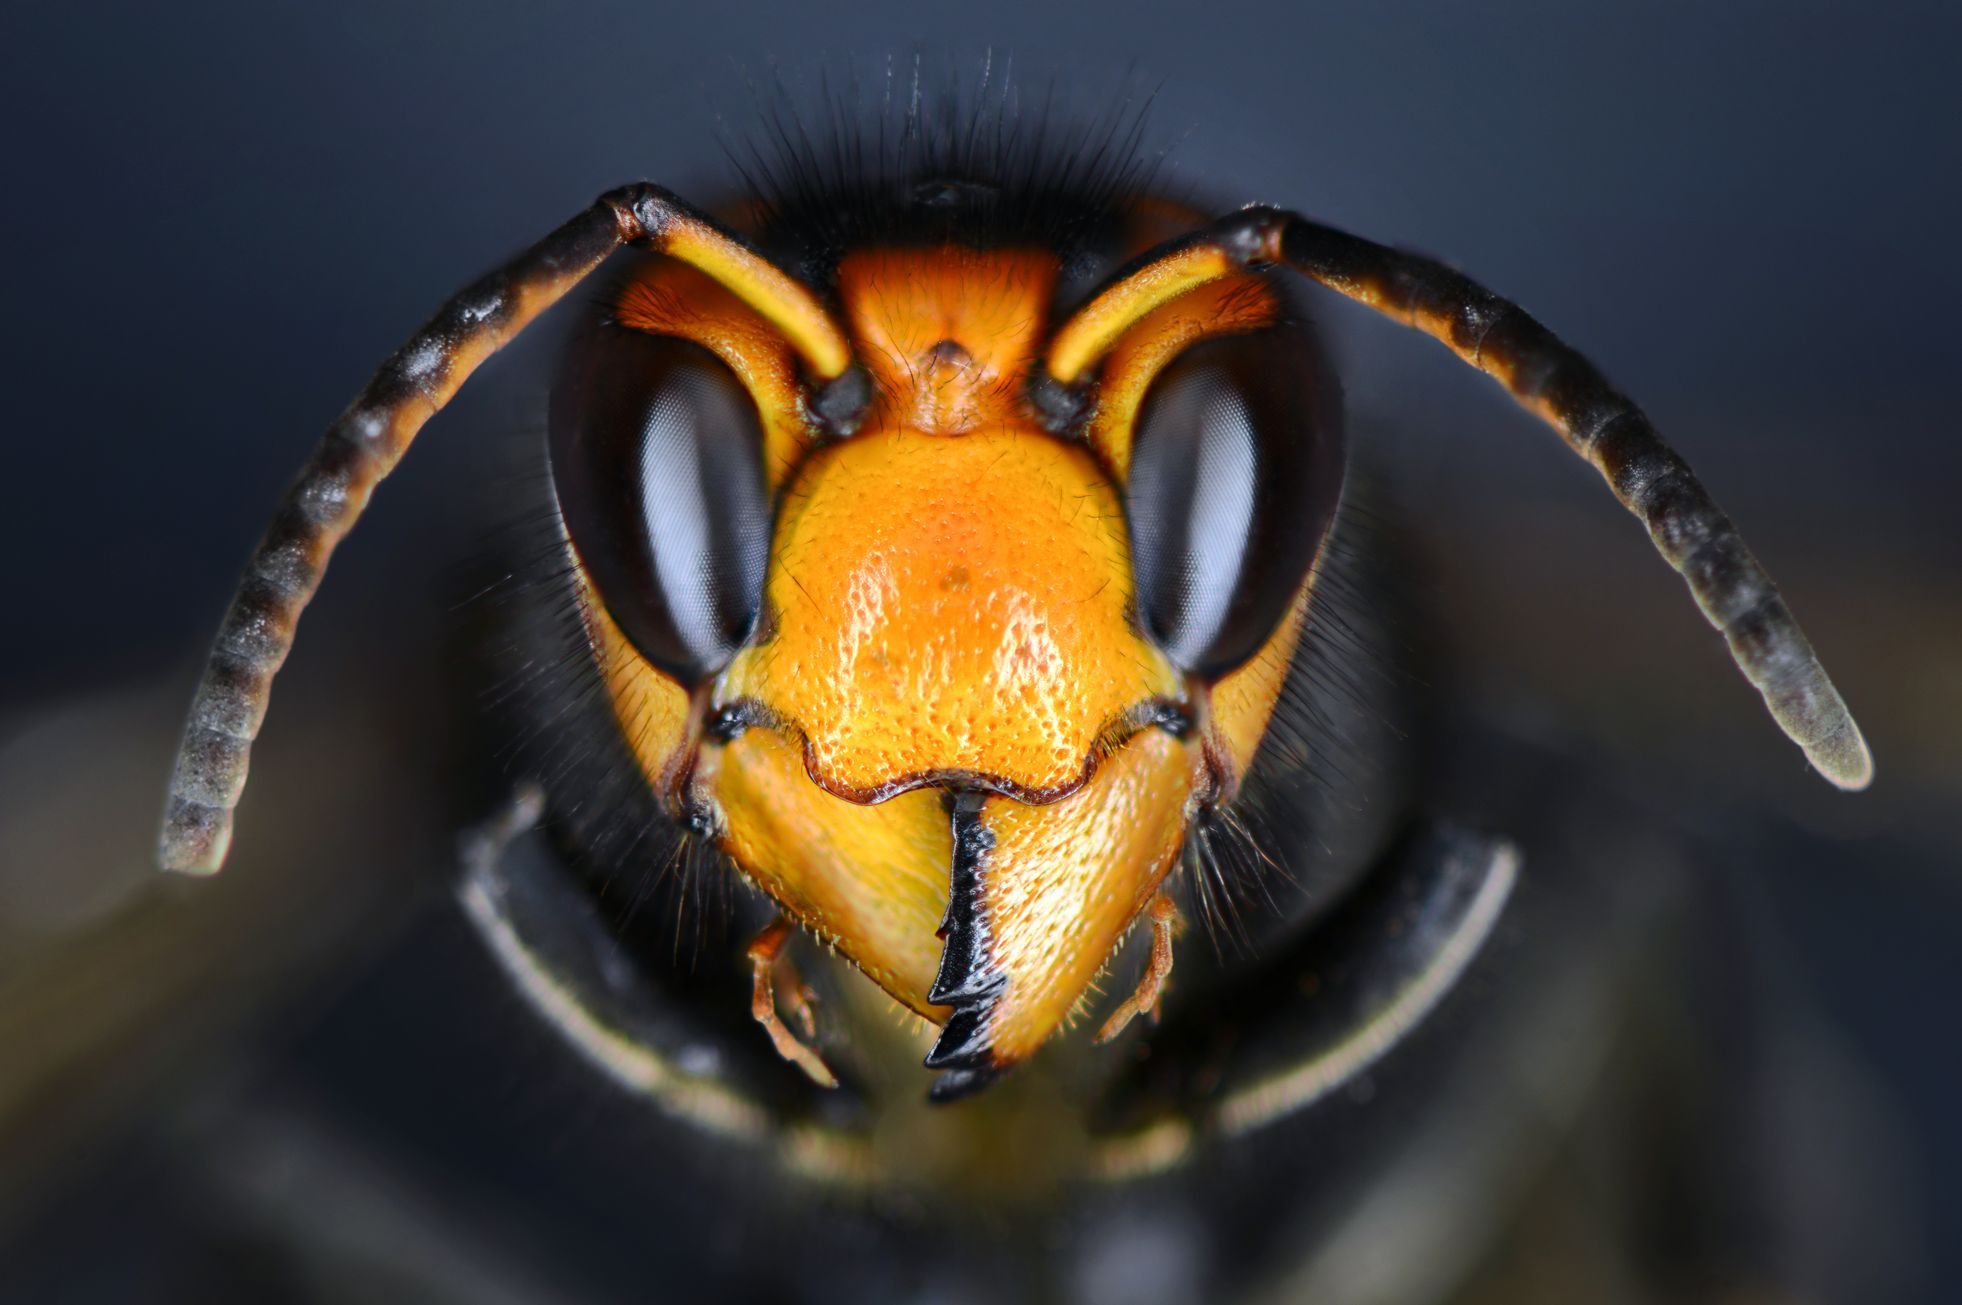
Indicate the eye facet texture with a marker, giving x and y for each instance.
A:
(1236, 471)
(656, 451)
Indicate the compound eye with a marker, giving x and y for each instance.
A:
(1236, 471)
(656, 453)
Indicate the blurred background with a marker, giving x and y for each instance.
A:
(222, 216)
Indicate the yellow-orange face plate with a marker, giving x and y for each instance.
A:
(1063, 883)
(949, 601)
(870, 880)
(947, 607)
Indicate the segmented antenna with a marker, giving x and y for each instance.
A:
(371, 437)
(1547, 377)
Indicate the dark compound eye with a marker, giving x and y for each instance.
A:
(657, 454)
(1236, 471)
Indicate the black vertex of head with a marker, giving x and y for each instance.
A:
(967, 980)
(893, 160)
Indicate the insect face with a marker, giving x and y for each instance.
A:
(973, 708)
(950, 584)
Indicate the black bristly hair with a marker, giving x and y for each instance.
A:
(1332, 780)
(902, 162)
(551, 719)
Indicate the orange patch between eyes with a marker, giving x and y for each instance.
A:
(948, 334)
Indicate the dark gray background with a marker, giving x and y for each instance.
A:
(219, 217)
(222, 216)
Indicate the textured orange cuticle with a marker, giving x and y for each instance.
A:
(949, 599)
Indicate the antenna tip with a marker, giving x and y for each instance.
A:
(1844, 759)
(194, 838)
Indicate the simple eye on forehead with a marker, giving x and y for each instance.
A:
(1235, 475)
(657, 463)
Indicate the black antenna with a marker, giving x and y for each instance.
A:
(1546, 377)
(376, 430)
